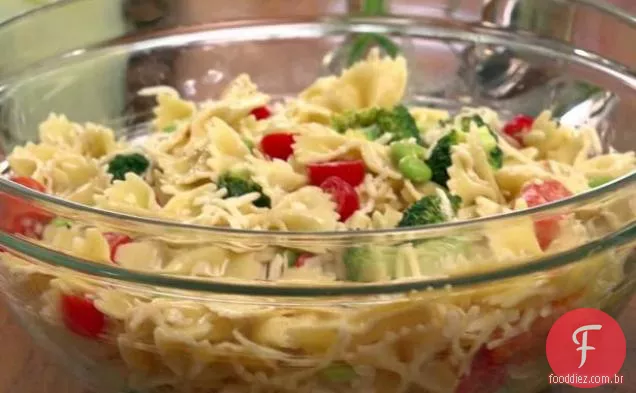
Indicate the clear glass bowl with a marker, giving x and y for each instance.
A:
(183, 333)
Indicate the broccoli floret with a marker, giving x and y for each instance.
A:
(440, 158)
(490, 143)
(125, 163)
(377, 121)
(426, 211)
(455, 200)
(372, 132)
(433, 255)
(495, 158)
(399, 123)
(369, 263)
(465, 121)
(489, 139)
(355, 119)
(238, 184)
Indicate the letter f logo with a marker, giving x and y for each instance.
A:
(583, 344)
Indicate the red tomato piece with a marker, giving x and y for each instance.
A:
(301, 260)
(278, 145)
(29, 183)
(260, 113)
(343, 194)
(350, 171)
(82, 317)
(18, 216)
(485, 375)
(115, 240)
(518, 126)
(31, 223)
(536, 194)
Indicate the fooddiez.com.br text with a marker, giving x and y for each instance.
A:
(585, 379)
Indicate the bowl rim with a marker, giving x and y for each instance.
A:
(259, 288)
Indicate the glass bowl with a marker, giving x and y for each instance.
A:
(480, 328)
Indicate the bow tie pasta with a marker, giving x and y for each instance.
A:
(345, 155)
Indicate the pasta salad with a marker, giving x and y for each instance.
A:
(346, 154)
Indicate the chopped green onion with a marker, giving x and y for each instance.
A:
(599, 181)
(339, 373)
(415, 169)
(170, 128)
(60, 222)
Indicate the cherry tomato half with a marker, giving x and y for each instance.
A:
(278, 145)
(536, 194)
(115, 240)
(343, 194)
(350, 171)
(82, 317)
(518, 126)
(260, 113)
(485, 375)
(29, 183)
(302, 259)
(18, 216)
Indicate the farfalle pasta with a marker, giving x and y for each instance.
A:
(347, 154)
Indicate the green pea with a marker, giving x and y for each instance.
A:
(400, 150)
(599, 181)
(415, 169)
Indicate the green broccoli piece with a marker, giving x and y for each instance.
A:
(355, 119)
(465, 122)
(125, 163)
(489, 139)
(399, 123)
(440, 157)
(495, 158)
(455, 200)
(238, 184)
(369, 263)
(433, 254)
(490, 143)
(372, 132)
(377, 121)
(426, 211)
